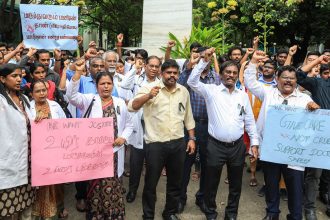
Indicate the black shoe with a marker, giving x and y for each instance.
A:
(310, 215)
(284, 194)
(270, 217)
(200, 205)
(171, 217)
(327, 212)
(261, 191)
(181, 206)
(230, 218)
(130, 197)
(324, 197)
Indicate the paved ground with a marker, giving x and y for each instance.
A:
(251, 206)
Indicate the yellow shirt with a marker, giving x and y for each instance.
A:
(166, 114)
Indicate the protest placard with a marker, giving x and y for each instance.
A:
(49, 26)
(297, 137)
(70, 150)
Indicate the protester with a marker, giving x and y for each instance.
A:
(16, 192)
(104, 196)
(285, 93)
(208, 76)
(49, 203)
(164, 134)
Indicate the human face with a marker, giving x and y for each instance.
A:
(311, 58)
(39, 92)
(104, 87)
(44, 59)
(281, 58)
(39, 73)
(236, 55)
(3, 50)
(229, 76)
(1, 58)
(110, 62)
(268, 71)
(325, 74)
(170, 76)
(287, 82)
(95, 67)
(152, 68)
(64, 56)
(120, 68)
(13, 81)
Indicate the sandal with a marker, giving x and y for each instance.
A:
(226, 180)
(253, 182)
(63, 214)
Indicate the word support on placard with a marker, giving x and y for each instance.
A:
(70, 150)
(297, 137)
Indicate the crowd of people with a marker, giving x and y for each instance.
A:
(170, 115)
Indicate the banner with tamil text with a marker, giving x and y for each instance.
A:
(297, 137)
(71, 150)
(49, 26)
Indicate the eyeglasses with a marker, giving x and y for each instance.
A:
(288, 78)
(98, 66)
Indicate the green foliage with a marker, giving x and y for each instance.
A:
(208, 36)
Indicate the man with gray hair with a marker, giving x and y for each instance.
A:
(110, 60)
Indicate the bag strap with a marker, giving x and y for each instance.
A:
(89, 109)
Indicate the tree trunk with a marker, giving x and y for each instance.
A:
(100, 35)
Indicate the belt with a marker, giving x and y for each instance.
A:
(201, 120)
(227, 144)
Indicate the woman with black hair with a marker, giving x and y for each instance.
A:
(16, 192)
(104, 196)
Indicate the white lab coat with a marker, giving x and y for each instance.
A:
(13, 145)
(124, 118)
(55, 110)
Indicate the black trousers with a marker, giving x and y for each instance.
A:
(170, 154)
(325, 182)
(312, 178)
(136, 166)
(294, 181)
(81, 190)
(217, 155)
(201, 142)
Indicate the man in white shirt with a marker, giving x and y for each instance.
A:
(229, 112)
(284, 93)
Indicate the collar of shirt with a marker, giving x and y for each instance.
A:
(224, 88)
(261, 79)
(162, 86)
(293, 94)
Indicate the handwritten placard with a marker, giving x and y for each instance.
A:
(49, 26)
(70, 150)
(297, 137)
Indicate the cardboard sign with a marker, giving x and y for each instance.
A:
(71, 150)
(49, 26)
(297, 137)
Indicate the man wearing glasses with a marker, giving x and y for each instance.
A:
(285, 93)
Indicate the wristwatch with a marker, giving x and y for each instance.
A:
(192, 138)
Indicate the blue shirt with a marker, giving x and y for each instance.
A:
(272, 83)
(198, 104)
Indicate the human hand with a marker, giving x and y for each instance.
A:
(120, 38)
(80, 65)
(249, 51)
(171, 43)
(258, 56)
(31, 52)
(19, 47)
(194, 58)
(57, 54)
(80, 40)
(119, 141)
(323, 59)
(293, 50)
(191, 146)
(208, 54)
(92, 44)
(154, 92)
(255, 40)
(255, 153)
(312, 106)
(138, 64)
(90, 53)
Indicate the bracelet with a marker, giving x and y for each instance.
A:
(192, 138)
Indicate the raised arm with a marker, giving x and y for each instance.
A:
(129, 77)
(11, 54)
(250, 76)
(195, 75)
(248, 52)
(120, 38)
(144, 95)
(292, 52)
(170, 44)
